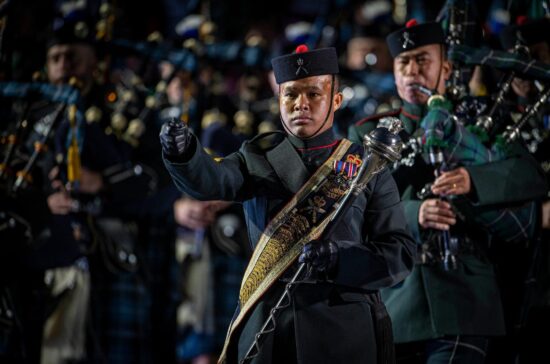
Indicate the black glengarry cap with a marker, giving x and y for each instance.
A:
(305, 63)
(413, 36)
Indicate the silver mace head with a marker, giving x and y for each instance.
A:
(382, 146)
(384, 140)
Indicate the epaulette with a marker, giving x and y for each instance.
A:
(378, 117)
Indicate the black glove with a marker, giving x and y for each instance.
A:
(320, 255)
(174, 138)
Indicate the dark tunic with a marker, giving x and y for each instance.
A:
(330, 322)
(433, 302)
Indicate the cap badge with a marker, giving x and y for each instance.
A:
(407, 40)
(301, 67)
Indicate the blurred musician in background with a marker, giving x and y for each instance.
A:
(445, 312)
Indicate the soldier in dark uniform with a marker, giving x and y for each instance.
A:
(335, 316)
(51, 279)
(444, 315)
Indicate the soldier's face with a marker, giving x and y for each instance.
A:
(59, 63)
(424, 66)
(304, 105)
(70, 60)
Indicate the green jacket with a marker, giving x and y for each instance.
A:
(433, 302)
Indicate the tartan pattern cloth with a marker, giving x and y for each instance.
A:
(65, 94)
(462, 147)
(163, 274)
(137, 309)
(442, 129)
(126, 325)
(501, 60)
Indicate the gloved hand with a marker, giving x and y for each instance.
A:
(320, 255)
(174, 138)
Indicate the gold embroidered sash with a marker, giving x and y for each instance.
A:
(302, 220)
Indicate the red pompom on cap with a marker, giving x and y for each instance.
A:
(302, 48)
(520, 20)
(411, 23)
